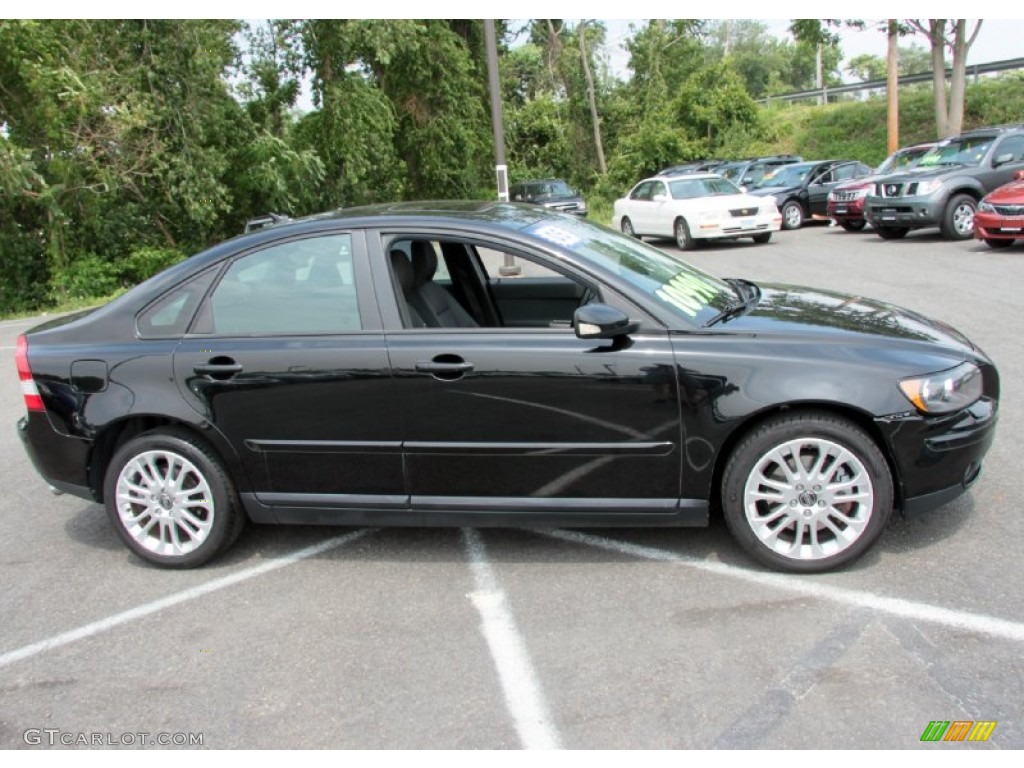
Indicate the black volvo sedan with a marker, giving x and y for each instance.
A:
(381, 366)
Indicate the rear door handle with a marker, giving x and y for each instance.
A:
(219, 368)
(432, 367)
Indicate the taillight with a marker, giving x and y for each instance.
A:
(28, 385)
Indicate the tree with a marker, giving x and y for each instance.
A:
(952, 33)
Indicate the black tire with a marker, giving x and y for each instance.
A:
(853, 225)
(892, 233)
(992, 242)
(841, 530)
(958, 218)
(200, 519)
(627, 228)
(684, 240)
(792, 215)
(764, 237)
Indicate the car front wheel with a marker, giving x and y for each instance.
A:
(763, 238)
(807, 492)
(853, 225)
(684, 240)
(170, 500)
(792, 215)
(958, 218)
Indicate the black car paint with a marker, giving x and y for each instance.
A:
(812, 195)
(544, 428)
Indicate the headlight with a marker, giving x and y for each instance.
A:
(946, 391)
(927, 187)
(986, 207)
(769, 209)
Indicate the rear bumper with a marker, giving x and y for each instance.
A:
(62, 461)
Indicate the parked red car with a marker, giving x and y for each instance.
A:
(999, 219)
(846, 202)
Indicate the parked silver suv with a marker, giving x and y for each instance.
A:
(943, 190)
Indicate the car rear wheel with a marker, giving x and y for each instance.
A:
(170, 500)
(993, 242)
(892, 233)
(792, 215)
(763, 238)
(958, 218)
(684, 240)
(627, 228)
(807, 492)
(853, 225)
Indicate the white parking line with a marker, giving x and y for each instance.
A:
(146, 609)
(894, 606)
(523, 696)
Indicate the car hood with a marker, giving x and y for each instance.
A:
(788, 309)
(555, 199)
(926, 172)
(1012, 193)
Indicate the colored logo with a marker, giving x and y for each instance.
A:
(958, 730)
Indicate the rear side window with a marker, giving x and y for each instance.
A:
(301, 287)
(170, 315)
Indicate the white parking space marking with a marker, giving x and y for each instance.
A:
(523, 696)
(894, 606)
(96, 627)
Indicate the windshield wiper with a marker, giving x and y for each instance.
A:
(749, 295)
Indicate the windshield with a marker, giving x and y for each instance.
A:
(901, 160)
(963, 151)
(686, 189)
(786, 176)
(684, 290)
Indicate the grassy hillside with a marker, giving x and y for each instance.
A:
(857, 129)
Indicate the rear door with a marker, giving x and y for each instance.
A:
(286, 357)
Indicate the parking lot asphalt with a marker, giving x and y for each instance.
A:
(504, 638)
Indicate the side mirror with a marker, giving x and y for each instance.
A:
(659, 198)
(1002, 160)
(599, 321)
(1018, 175)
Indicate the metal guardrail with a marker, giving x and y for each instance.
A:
(973, 70)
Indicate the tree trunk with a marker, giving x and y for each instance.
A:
(592, 98)
(892, 88)
(937, 40)
(958, 81)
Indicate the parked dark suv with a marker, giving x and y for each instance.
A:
(944, 189)
(555, 194)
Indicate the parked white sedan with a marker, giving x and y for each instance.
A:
(699, 206)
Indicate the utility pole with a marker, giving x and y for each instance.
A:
(892, 88)
(509, 266)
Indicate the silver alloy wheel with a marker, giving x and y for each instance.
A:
(627, 228)
(794, 216)
(808, 499)
(165, 503)
(963, 219)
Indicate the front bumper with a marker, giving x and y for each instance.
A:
(910, 212)
(737, 226)
(938, 458)
(995, 226)
(848, 211)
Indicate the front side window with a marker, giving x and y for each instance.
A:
(300, 287)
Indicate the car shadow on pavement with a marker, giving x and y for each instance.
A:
(259, 543)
